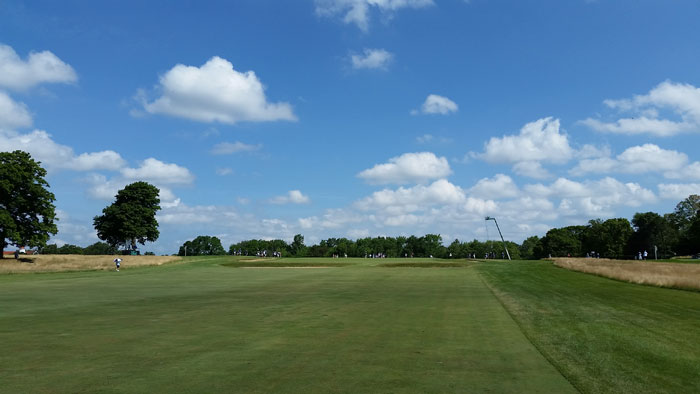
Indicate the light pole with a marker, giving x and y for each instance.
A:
(499, 233)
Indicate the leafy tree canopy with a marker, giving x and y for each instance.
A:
(132, 217)
(27, 213)
(203, 245)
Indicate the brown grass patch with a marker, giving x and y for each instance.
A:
(70, 262)
(673, 275)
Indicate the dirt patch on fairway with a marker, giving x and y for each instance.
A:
(673, 275)
(69, 262)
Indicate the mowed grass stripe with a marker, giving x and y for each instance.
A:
(208, 328)
(606, 336)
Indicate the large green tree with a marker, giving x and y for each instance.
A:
(686, 219)
(561, 242)
(132, 216)
(27, 213)
(653, 230)
(203, 245)
(609, 238)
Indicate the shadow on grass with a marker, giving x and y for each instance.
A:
(428, 265)
(243, 264)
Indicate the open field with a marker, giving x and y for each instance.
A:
(70, 262)
(673, 275)
(357, 325)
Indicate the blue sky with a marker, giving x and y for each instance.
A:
(353, 118)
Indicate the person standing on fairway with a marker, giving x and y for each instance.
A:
(117, 262)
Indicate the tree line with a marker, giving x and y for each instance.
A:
(98, 248)
(672, 234)
(27, 218)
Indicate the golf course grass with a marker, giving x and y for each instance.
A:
(344, 326)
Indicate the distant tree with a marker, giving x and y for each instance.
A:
(686, 211)
(70, 249)
(100, 248)
(455, 250)
(685, 219)
(561, 242)
(49, 249)
(609, 238)
(691, 237)
(650, 230)
(27, 213)
(527, 249)
(433, 245)
(297, 247)
(203, 245)
(131, 218)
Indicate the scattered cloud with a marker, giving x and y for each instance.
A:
(591, 199)
(156, 171)
(500, 186)
(372, 59)
(55, 156)
(429, 138)
(40, 67)
(223, 171)
(227, 148)
(101, 187)
(642, 159)
(292, 197)
(13, 114)
(435, 104)
(425, 138)
(678, 191)
(215, 92)
(683, 100)
(532, 169)
(408, 168)
(539, 141)
(357, 11)
(419, 197)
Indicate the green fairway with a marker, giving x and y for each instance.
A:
(205, 327)
(606, 336)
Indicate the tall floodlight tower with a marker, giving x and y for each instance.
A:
(499, 233)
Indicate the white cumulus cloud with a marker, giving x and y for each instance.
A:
(55, 156)
(592, 198)
(408, 168)
(678, 191)
(12, 113)
(40, 67)
(681, 99)
(538, 141)
(292, 197)
(500, 186)
(435, 104)
(215, 92)
(419, 197)
(642, 159)
(372, 59)
(156, 171)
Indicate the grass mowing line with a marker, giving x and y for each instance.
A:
(497, 296)
(607, 336)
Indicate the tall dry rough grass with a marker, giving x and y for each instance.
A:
(70, 262)
(674, 275)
